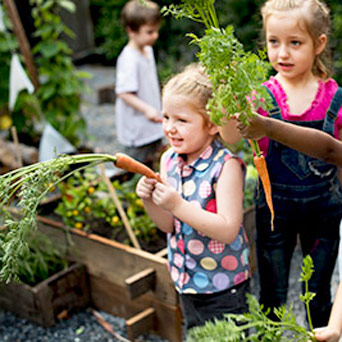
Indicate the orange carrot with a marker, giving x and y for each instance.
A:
(261, 167)
(129, 164)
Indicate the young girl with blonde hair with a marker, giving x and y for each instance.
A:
(199, 205)
(306, 193)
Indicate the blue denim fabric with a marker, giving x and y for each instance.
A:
(307, 200)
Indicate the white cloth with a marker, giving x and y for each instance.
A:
(53, 143)
(2, 25)
(136, 73)
(18, 81)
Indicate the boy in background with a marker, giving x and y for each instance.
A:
(138, 104)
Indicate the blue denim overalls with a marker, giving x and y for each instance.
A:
(307, 200)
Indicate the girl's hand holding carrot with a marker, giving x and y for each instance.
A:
(145, 187)
(166, 197)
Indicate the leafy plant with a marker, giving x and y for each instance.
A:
(85, 199)
(236, 75)
(26, 187)
(59, 94)
(255, 325)
(110, 35)
(143, 227)
(42, 260)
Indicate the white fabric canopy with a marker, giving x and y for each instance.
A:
(53, 143)
(18, 81)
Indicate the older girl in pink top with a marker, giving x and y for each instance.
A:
(306, 193)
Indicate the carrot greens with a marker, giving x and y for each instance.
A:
(236, 75)
(24, 188)
(234, 327)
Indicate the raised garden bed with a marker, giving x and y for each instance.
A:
(124, 281)
(128, 282)
(51, 299)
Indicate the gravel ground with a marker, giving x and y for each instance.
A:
(82, 326)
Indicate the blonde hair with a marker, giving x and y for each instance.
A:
(193, 83)
(134, 14)
(316, 18)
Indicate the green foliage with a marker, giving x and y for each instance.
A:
(7, 45)
(109, 34)
(42, 259)
(236, 75)
(172, 49)
(144, 228)
(26, 187)
(234, 327)
(85, 198)
(59, 94)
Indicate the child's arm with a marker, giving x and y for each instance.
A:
(134, 101)
(333, 332)
(306, 140)
(223, 225)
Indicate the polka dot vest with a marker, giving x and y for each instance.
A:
(197, 263)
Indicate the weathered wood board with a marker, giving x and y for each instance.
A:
(109, 265)
(67, 290)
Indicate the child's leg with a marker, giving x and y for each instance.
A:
(199, 308)
(320, 239)
(274, 254)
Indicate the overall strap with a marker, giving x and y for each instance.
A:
(275, 111)
(330, 117)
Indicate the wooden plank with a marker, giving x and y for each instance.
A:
(70, 290)
(42, 303)
(141, 282)
(45, 314)
(112, 260)
(25, 301)
(142, 322)
(114, 299)
(162, 253)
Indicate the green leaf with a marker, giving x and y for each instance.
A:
(68, 5)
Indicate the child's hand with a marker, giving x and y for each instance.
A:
(165, 196)
(145, 187)
(256, 129)
(153, 115)
(327, 334)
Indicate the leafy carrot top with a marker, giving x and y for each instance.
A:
(236, 75)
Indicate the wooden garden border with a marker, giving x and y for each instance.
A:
(44, 303)
(124, 281)
(128, 282)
